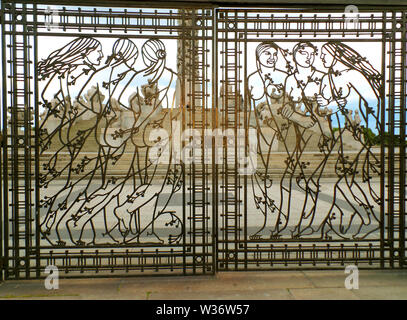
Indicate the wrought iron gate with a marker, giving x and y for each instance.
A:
(191, 141)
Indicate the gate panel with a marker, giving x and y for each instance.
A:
(326, 97)
(96, 100)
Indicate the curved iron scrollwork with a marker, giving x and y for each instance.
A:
(295, 102)
(98, 114)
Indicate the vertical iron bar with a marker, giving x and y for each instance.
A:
(237, 125)
(5, 167)
(184, 202)
(192, 124)
(246, 110)
(402, 144)
(382, 145)
(27, 142)
(3, 143)
(202, 37)
(36, 143)
(13, 147)
(391, 143)
(225, 180)
(215, 111)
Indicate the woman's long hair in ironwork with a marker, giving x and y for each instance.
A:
(62, 63)
(362, 204)
(57, 69)
(123, 51)
(68, 58)
(153, 54)
(353, 60)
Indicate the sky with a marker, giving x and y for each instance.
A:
(46, 44)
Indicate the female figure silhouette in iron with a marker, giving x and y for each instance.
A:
(138, 212)
(266, 90)
(298, 108)
(99, 116)
(128, 197)
(69, 65)
(350, 79)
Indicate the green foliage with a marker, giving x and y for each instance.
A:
(370, 138)
(387, 137)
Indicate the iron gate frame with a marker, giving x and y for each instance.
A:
(392, 249)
